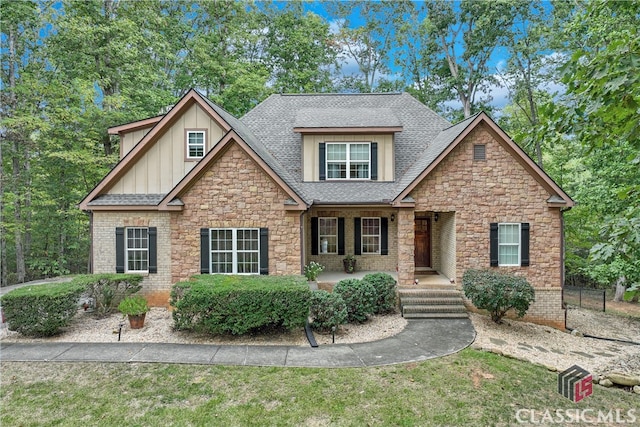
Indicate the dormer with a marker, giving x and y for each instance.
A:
(347, 144)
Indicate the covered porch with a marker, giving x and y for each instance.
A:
(327, 279)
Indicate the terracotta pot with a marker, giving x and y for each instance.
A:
(136, 321)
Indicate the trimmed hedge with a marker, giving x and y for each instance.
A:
(107, 290)
(220, 304)
(385, 288)
(358, 296)
(327, 310)
(41, 310)
(497, 292)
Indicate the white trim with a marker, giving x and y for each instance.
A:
(196, 145)
(362, 236)
(127, 249)
(347, 162)
(320, 236)
(234, 250)
(518, 245)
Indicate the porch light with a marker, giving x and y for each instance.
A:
(435, 217)
(393, 217)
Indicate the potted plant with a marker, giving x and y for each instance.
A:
(136, 308)
(311, 272)
(349, 263)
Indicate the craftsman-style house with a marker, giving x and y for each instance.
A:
(305, 178)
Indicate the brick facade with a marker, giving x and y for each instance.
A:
(472, 194)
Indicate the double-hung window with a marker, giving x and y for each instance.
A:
(348, 160)
(137, 249)
(195, 144)
(370, 235)
(235, 250)
(509, 244)
(328, 235)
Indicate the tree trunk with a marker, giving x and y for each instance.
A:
(620, 288)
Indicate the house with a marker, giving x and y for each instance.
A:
(305, 178)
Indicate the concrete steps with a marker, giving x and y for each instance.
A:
(436, 301)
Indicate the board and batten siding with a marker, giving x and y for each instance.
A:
(311, 164)
(164, 164)
(130, 139)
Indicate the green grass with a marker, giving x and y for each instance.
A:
(468, 388)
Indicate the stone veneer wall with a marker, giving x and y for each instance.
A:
(235, 192)
(369, 262)
(155, 287)
(447, 244)
(497, 189)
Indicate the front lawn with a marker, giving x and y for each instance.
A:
(468, 388)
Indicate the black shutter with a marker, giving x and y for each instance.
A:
(341, 236)
(384, 236)
(524, 244)
(205, 253)
(321, 161)
(264, 251)
(314, 235)
(493, 244)
(119, 249)
(153, 249)
(357, 239)
(374, 161)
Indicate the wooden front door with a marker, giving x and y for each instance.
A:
(422, 242)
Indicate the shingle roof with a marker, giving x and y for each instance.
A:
(127, 200)
(345, 118)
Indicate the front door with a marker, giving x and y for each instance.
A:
(423, 243)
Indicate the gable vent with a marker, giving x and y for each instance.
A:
(479, 152)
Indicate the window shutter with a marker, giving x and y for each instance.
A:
(264, 251)
(120, 250)
(384, 236)
(205, 253)
(357, 241)
(153, 249)
(524, 244)
(314, 235)
(341, 236)
(374, 161)
(493, 244)
(322, 164)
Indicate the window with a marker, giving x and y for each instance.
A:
(479, 152)
(328, 235)
(195, 144)
(235, 250)
(370, 235)
(348, 160)
(508, 244)
(137, 249)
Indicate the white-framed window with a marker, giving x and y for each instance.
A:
(351, 160)
(328, 235)
(195, 144)
(137, 249)
(235, 250)
(370, 235)
(509, 244)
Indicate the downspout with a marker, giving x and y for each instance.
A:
(302, 242)
(90, 262)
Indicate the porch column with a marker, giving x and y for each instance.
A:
(406, 246)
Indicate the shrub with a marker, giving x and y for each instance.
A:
(327, 310)
(358, 296)
(219, 304)
(313, 270)
(497, 293)
(133, 306)
(107, 290)
(41, 310)
(385, 288)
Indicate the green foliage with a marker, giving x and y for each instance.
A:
(327, 310)
(133, 306)
(385, 288)
(312, 270)
(221, 304)
(497, 292)
(359, 297)
(41, 310)
(107, 290)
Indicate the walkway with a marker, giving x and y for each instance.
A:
(420, 340)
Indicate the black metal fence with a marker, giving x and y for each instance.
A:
(594, 299)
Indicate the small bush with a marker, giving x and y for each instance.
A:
(219, 304)
(107, 290)
(327, 310)
(41, 310)
(497, 293)
(385, 288)
(358, 296)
